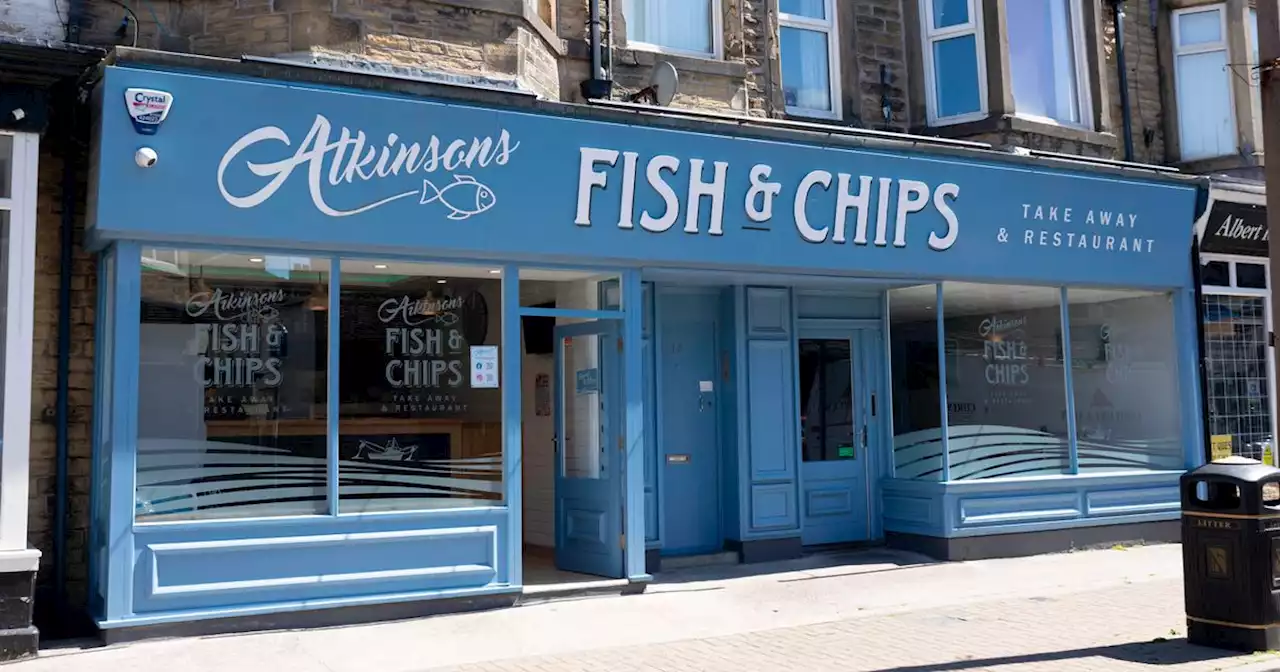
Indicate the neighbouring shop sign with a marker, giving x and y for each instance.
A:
(1235, 228)
(1219, 447)
(358, 171)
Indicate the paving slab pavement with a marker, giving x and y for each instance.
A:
(873, 610)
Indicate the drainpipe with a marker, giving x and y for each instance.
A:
(1118, 18)
(70, 151)
(62, 404)
(599, 86)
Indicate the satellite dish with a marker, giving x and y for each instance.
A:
(664, 81)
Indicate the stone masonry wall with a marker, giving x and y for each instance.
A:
(1142, 62)
(44, 381)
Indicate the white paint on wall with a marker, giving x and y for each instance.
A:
(538, 452)
(33, 19)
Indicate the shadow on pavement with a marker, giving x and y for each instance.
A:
(857, 561)
(1156, 653)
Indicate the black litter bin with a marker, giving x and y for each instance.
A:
(1231, 554)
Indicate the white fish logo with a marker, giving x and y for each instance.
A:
(464, 196)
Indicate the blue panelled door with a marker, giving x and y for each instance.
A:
(588, 415)
(839, 373)
(689, 447)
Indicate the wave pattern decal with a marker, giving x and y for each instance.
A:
(212, 479)
(994, 451)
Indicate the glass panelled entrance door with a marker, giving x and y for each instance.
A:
(839, 413)
(589, 429)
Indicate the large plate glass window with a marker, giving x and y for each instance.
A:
(1046, 60)
(232, 385)
(955, 67)
(1125, 380)
(1006, 383)
(917, 391)
(1202, 77)
(679, 26)
(420, 401)
(810, 66)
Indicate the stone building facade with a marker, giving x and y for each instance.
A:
(543, 47)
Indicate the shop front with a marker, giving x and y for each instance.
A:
(1236, 320)
(369, 349)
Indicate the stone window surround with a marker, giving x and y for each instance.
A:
(1098, 128)
(1239, 52)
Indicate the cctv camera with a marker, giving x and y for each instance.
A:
(145, 157)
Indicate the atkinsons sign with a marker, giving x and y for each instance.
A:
(859, 201)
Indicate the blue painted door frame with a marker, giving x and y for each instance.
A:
(837, 490)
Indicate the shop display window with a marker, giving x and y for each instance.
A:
(232, 385)
(420, 408)
(1125, 378)
(1006, 389)
(233, 395)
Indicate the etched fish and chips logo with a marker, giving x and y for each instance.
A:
(243, 306)
(351, 158)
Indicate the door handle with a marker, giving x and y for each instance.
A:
(864, 437)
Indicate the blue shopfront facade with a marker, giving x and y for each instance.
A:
(364, 348)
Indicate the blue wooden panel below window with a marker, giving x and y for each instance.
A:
(956, 76)
(768, 312)
(771, 418)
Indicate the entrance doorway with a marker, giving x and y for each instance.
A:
(839, 372)
(689, 446)
(572, 429)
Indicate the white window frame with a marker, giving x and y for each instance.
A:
(1231, 260)
(1179, 50)
(15, 458)
(929, 36)
(829, 28)
(717, 36)
(1079, 55)
(1255, 81)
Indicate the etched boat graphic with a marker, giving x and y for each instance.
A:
(392, 452)
(464, 196)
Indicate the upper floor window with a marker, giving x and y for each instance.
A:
(678, 26)
(1255, 90)
(1206, 117)
(955, 66)
(1046, 60)
(808, 53)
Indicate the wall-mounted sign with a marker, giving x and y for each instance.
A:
(1235, 228)
(587, 381)
(1219, 447)
(484, 366)
(351, 171)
